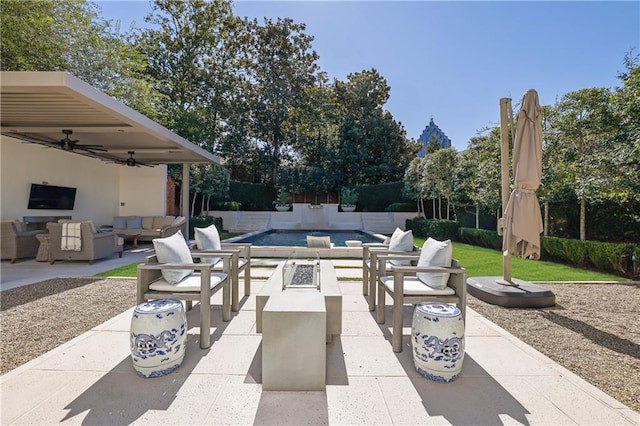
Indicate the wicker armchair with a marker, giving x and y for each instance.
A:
(17, 243)
(95, 245)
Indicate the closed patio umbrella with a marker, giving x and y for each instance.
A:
(521, 223)
(522, 218)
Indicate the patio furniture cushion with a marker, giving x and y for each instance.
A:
(173, 249)
(435, 253)
(208, 239)
(119, 222)
(415, 287)
(190, 283)
(161, 221)
(134, 222)
(147, 222)
(318, 242)
(401, 241)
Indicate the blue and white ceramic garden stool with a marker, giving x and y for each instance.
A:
(158, 337)
(437, 336)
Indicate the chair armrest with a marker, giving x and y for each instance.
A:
(243, 248)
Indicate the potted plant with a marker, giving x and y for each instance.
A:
(281, 202)
(348, 199)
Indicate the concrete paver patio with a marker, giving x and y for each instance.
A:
(90, 379)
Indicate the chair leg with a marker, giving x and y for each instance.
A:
(365, 280)
(226, 305)
(205, 323)
(381, 304)
(247, 279)
(235, 302)
(396, 339)
(372, 290)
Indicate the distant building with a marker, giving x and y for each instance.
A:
(425, 137)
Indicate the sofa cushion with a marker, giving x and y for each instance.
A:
(134, 222)
(173, 249)
(147, 222)
(435, 253)
(190, 283)
(161, 221)
(208, 239)
(401, 241)
(119, 222)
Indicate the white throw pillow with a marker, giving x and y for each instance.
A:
(173, 249)
(435, 253)
(401, 241)
(208, 239)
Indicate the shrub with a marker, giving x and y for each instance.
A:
(437, 229)
(374, 198)
(480, 237)
(252, 196)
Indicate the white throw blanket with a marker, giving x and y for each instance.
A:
(71, 240)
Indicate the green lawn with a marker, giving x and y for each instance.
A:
(479, 262)
(482, 262)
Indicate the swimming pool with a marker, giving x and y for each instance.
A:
(299, 238)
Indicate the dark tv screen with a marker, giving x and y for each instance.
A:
(49, 197)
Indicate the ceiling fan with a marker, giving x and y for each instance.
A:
(132, 162)
(67, 144)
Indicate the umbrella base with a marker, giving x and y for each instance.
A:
(521, 295)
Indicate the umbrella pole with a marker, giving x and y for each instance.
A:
(505, 108)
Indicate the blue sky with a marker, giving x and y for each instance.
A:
(455, 60)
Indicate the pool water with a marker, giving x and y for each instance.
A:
(299, 238)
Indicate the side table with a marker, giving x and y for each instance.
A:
(43, 250)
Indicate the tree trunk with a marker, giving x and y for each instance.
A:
(448, 207)
(477, 216)
(193, 203)
(434, 208)
(440, 208)
(583, 218)
(546, 219)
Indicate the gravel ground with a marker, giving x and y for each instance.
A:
(594, 329)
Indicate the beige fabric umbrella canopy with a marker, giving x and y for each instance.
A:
(522, 217)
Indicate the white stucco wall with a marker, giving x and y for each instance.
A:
(101, 187)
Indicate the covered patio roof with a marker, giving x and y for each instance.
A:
(36, 106)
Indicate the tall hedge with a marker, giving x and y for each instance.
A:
(376, 198)
(438, 229)
(252, 196)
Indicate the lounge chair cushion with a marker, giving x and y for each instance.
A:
(318, 242)
(190, 283)
(134, 222)
(414, 287)
(119, 222)
(173, 249)
(401, 241)
(208, 239)
(435, 253)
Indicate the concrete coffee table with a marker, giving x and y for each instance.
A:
(295, 324)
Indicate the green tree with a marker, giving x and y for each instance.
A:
(69, 35)
(626, 103)
(371, 146)
(444, 165)
(188, 56)
(283, 67)
(584, 126)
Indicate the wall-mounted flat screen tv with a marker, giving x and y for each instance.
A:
(50, 197)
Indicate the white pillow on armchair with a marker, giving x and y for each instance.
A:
(208, 239)
(435, 253)
(173, 249)
(401, 241)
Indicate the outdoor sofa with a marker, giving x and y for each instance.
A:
(148, 227)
